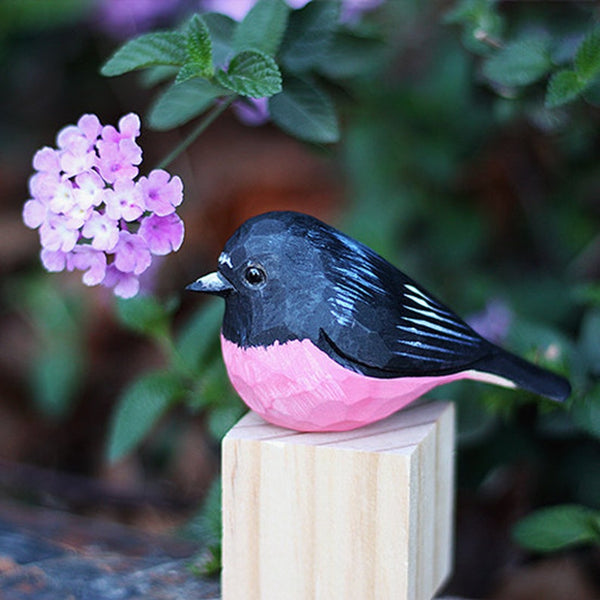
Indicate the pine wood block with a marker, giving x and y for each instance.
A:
(364, 514)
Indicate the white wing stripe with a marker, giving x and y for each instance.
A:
(421, 332)
(418, 344)
(436, 327)
(433, 315)
(426, 304)
(420, 357)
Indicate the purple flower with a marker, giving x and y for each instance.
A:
(54, 260)
(124, 18)
(129, 129)
(131, 253)
(161, 192)
(76, 145)
(126, 285)
(61, 198)
(238, 9)
(88, 189)
(93, 262)
(351, 11)
(102, 230)
(47, 160)
(493, 322)
(162, 234)
(118, 152)
(118, 160)
(90, 127)
(90, 212)
(34, 213)
(55, 233)
(124, 201)
(252, 111)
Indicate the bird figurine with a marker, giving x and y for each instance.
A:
(320, 333)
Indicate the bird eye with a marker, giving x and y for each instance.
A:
(255, 275)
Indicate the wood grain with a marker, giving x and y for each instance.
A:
(364, 514)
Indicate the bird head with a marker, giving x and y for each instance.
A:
(273, 277)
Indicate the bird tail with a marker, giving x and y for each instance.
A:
(525, 375)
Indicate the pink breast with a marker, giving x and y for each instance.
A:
(296, 385)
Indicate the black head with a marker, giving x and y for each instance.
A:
(277, 274)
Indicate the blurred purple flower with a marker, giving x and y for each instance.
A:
(238, 9)
(353, 10)
(493, 322)
(252, 111)
(126, 285)
(124, 18)
(91, 213)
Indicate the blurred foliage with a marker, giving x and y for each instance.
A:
(194, 374)
(207, 526)
(57, 319)
(30, 15)
(559, 527)
(475, 176)
(469, 139)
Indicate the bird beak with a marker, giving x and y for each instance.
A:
(213, 283)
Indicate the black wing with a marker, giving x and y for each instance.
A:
(386, 325)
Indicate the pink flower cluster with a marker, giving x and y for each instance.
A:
(91, 212)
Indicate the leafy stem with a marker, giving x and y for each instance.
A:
(217, 110)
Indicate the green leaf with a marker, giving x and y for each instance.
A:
(587, 293)
(154, 75)
(585, 411)
(466, 11)
(262, 28)
(305, 111)
(222, 418)
(519, 63)
(215, 391)
(31, 15)
(139, 408)
(351, 56)
(587, 59)
(207, 526)
(252, 74)
(190, 71)
(591, 94)
(57, 318)
(221, 30)
(544, 345)
(182, 102)
(150, 49)
(200, 334)
(309, 36)
(144, 314)
(199, 46)
(589, 341)
(56, 376)
(551, 529)
(564, 86)
(481, 23)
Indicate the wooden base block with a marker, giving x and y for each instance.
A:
(364, 514)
